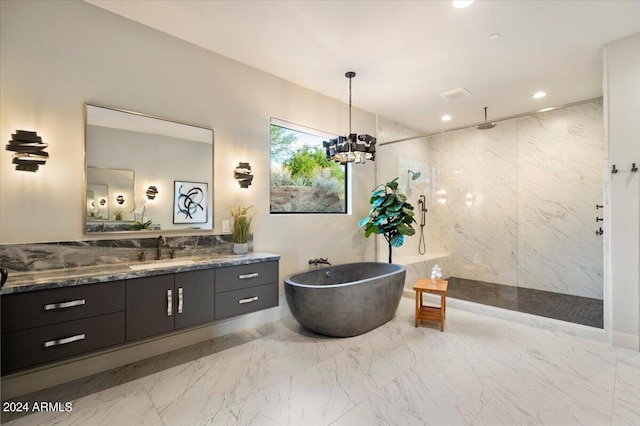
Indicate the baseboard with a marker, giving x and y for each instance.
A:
(626, 341)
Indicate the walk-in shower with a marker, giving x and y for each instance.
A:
(511, 211)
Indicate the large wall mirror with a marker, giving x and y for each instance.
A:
(145, 173)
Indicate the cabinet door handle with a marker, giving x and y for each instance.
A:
(62, 305)
(66, 340)
(169, 302)
(179, 300)
(247, 276)
(248, 300)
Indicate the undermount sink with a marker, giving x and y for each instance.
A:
(160, 264)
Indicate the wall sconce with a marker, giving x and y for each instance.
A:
(152, 191)
(243, 175)
(120, 199)
(29, 150)
(103, 201)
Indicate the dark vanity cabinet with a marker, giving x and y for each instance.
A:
(43, 326)
(47, 325)
(246, 288)
(163, 303)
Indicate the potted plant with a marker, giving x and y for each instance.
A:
(390, 215)
(138, 217)
(241, 228)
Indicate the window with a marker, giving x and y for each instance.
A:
(302, 179)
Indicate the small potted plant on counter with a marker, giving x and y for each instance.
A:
(241, 228)
(390, 215)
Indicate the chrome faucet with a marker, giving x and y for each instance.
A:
(316, 262)
(161, 241)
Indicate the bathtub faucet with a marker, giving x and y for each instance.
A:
(317, 262)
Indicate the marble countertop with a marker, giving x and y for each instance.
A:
(20, 282)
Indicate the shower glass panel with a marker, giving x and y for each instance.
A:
(511, 211)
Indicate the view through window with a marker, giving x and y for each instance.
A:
(302, 179)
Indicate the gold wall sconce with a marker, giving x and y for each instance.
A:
(243, 174)
(152, 191)
(29, 150)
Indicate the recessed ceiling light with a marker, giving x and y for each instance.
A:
(539, 95)
(446, 117)
(494, 36)
(461, 4)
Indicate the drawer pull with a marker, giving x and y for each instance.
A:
(169, 302)
(248, 300)
(247, 276)
(64, 341)
(62, 305)
(179, 300)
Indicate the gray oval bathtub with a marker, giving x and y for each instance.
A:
(345, 300)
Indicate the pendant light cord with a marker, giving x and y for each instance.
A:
(350, 105)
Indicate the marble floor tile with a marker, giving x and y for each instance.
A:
(626, 397)
(221, 381)
(317, 396)
(376, 411)
(111, 407)
(481, 370)
(450, 385)
(559, 381)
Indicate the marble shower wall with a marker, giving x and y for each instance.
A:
(474, 214)
(560, 181)
(514, 204)
(415, 156)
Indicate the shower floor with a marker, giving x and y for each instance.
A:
(564, 307)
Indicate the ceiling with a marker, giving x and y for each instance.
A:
(406, 53)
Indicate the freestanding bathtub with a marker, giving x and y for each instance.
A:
(345, 300)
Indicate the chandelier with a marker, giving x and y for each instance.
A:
(352, 148)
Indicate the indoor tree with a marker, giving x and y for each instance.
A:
(390, 215)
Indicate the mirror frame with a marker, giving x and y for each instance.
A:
(185, 231)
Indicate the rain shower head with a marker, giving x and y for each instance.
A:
(486, 125)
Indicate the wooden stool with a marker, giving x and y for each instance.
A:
(431, 313)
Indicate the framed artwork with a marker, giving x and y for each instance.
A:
(189, 202)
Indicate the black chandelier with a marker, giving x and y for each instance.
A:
(351, 148)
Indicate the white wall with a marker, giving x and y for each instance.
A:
(55, 56)
(622, 93)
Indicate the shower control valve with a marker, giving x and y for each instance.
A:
(599, 219)
(599, 232)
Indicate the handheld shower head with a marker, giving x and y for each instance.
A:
(486, 125)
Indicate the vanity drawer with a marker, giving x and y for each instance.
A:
(26, 348)
(237, 277)
(44, 307)
(246, 300)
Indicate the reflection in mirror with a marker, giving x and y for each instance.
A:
(126, 153)
(109, 194)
